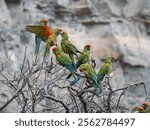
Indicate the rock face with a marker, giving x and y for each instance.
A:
(118, 27)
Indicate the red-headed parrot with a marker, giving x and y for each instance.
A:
(90, 74)
(105, 69)
(37, 38)
(45, 33)
(52, 40)
(140, 109)
(65, 61)
(146, 107)
(68, 47)
(83, 58)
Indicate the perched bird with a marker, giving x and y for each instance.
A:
(140, 109)
(45, 33)
(146, 107)
(83, 58)
(90, 74)
(65, 61)
(37, 38)
(57, 32)
(105, 69)
(68, 47)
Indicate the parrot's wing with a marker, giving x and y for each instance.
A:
(103, 71)
(80, 61)
(71, 47)
(65, 59)
(42, 31)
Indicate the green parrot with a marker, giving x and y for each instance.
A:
(51, 41)
(65, 61)
(83, 58)
(68, 47)
(45, 33)
(105, 69)
(90, 74)
(37, 38)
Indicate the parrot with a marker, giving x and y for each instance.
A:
(65, 61)
(83, 58)
(105, 69)
(37, 38)
(52, 40)
(68, 47)
(146, 107)
(45, 33)
(140, 109)
(90, 74)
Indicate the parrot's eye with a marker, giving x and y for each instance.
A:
(113, 59)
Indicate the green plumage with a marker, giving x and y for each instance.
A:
(65, 61)
(68, 47)
(83, 58)
(51, 41)
(37, 38)
(105, 69)
(90, 74)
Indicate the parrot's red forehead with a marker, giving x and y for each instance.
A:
(54, 49)
(46, 20)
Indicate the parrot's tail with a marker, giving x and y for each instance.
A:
(37, 46)
(47, 50)
(76, 79)
(98, 92)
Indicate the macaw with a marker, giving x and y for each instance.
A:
(83, 58)
(68, 47)
(90, 74)
(37, 38)
(65, 61)
(45, 33)
(105, 69)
